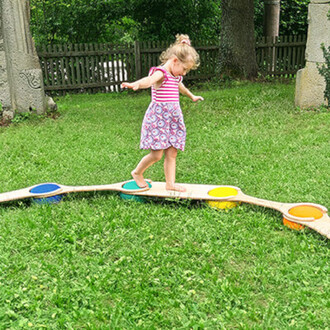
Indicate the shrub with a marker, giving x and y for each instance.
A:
(324, 70)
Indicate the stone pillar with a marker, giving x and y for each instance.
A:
(310, 85)
(21, 81)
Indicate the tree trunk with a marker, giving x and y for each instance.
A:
(272, 26)
(272, 18)
(237, 52)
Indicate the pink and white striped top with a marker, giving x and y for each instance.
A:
(169, 89)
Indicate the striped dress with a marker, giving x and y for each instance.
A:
(163, 124)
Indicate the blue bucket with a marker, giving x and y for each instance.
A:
(44, 189)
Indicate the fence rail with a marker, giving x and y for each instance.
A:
(77, 68)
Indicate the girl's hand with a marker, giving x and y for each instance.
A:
(134, 86)
(197, 98)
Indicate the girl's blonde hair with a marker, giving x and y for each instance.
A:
(183, 50)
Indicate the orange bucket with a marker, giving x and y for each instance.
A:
(302, 211)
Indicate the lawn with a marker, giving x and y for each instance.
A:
(95, 261)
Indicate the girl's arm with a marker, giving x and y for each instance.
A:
(145, 82)
(185, 91)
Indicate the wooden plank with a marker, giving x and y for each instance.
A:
(45, 68)
(77, 65)
(103, 65)
(262, 57)
(66, 65)
(118, 72)
(93, 70)
(113, 73)
(97, 66)
(94, 86)
(130, 66)
(72, 66)
(148, 55)
(122, 64)
(284, 44)
(318, 219)
(137, 54)
(289, 63)
(56, 68)
(72, 53)
(294, 55)
(87, 66)
(61, 64)
(108, 66)
(51, 68)
(280, 50)
(285, 55)
(303, 51)
(83, 65)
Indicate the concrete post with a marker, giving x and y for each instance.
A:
(310, 85)
(21, 81)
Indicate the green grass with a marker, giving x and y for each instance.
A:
(95, 261)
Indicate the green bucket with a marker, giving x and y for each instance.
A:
(132, 185)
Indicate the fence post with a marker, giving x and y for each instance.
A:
(137, 54)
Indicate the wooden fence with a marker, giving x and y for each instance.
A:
(281, 56)
(103, 67)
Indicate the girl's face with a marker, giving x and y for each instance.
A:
(180, 68)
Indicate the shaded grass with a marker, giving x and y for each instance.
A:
(96, 261)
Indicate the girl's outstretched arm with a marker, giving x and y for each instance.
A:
(185, 91)
(145, 82)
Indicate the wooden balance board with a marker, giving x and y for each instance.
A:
(295, 215)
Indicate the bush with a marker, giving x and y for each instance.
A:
(324, 70)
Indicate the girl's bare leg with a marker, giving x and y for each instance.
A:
(137, 174)
(169, 169)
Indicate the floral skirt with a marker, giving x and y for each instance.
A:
(163, 127)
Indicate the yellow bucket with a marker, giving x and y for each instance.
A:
(223, 192)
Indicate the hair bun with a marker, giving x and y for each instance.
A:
(183, 39)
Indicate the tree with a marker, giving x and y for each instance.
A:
(272, 18)
(237, 54)
(293, 17)
(82, 21)
(163, 19)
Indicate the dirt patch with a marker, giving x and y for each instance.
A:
(4, 122)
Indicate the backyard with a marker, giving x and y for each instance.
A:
(97, 261)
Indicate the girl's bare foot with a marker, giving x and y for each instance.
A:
(139, 180)
(175, 187)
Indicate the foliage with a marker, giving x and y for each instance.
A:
(293, 17)
(79, 20)
(95, 261)
(32, 117)
(85, 21)
(21, 117)
(162, 19)
(324, 70)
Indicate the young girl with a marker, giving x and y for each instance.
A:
(163, 128)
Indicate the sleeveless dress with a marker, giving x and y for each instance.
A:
(163, 124)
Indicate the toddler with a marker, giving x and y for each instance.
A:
(163, 129)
